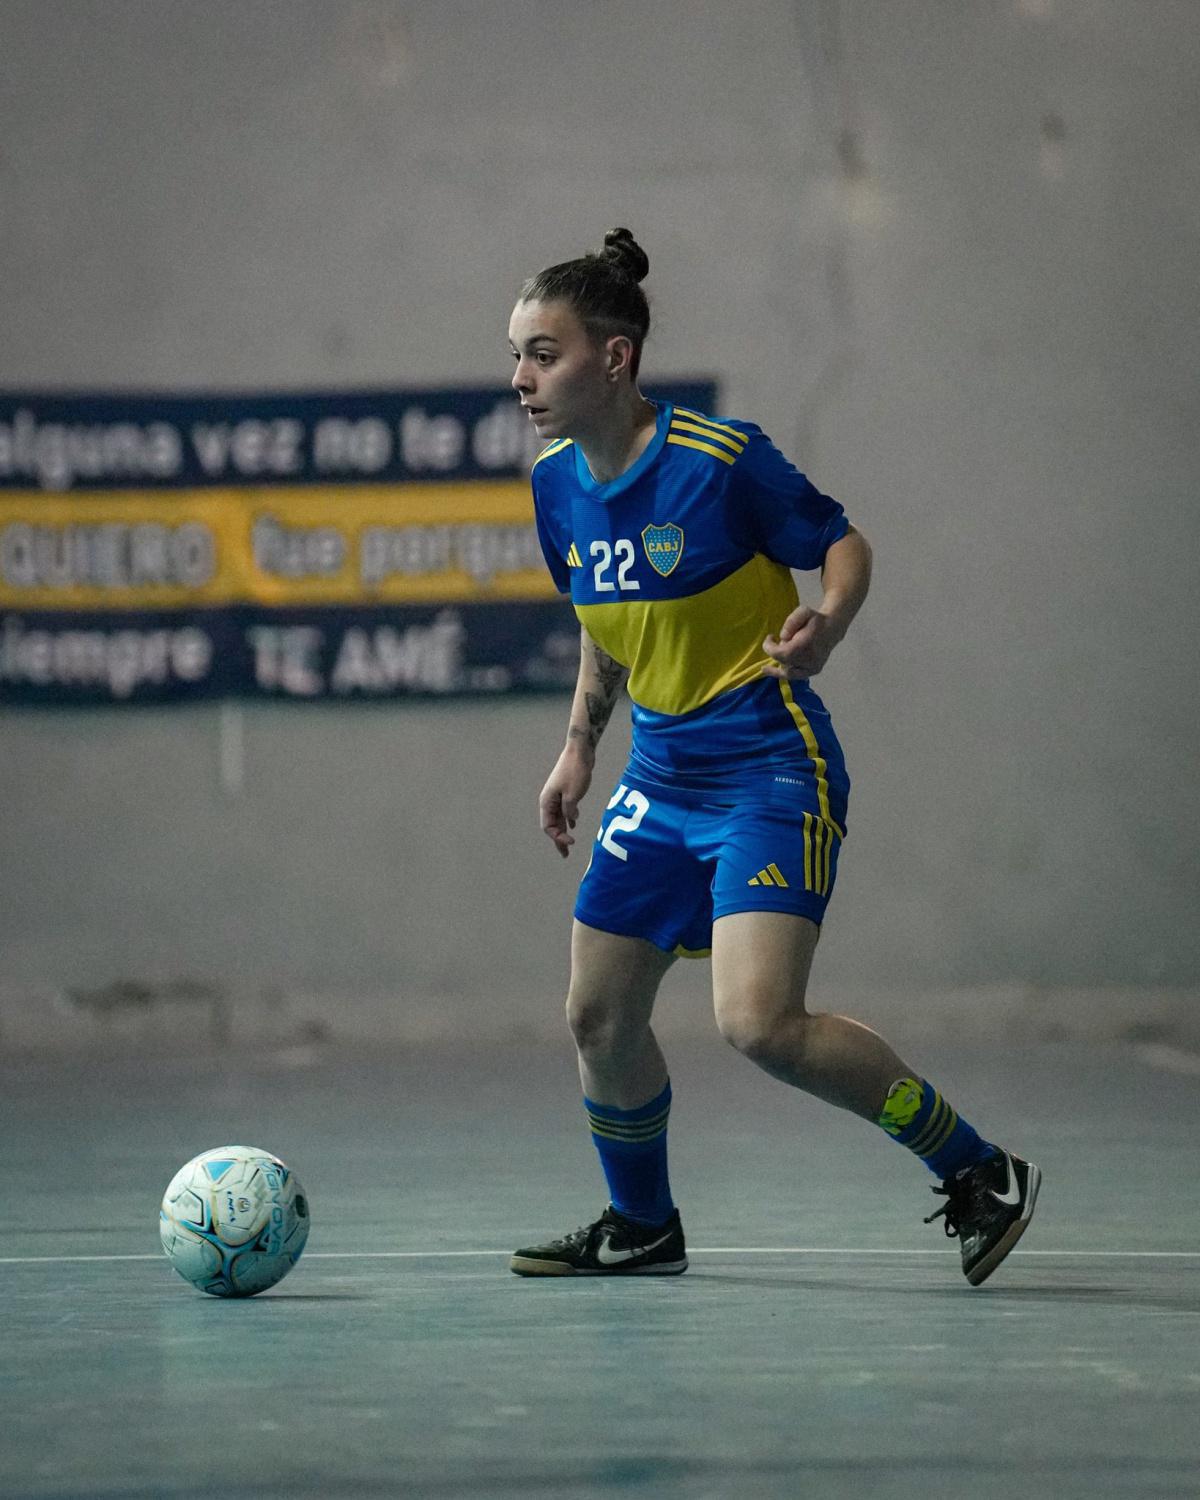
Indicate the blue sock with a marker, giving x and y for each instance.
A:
(633, 1152)
(917, 1116)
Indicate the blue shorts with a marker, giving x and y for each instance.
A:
(664, 869)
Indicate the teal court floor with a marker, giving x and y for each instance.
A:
(823, 1342)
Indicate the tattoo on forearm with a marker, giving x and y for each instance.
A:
(599, 711)
(610, 673)
(599, 705)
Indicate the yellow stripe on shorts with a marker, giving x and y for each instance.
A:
(814, 753)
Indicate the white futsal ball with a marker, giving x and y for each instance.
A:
(234, 1221)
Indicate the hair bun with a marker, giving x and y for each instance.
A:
(621, 248)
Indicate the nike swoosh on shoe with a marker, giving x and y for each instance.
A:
(1012, 1195)
(607, 1256)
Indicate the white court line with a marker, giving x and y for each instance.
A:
(56, 1260)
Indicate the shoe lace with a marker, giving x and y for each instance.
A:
(954, 1208)
(574, 1240)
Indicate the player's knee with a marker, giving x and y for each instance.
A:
(595, 1024)
(759, 1031)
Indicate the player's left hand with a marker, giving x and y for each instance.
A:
(803, 644)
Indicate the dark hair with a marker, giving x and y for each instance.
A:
(603, 290)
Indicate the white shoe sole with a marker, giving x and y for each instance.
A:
(525, 1265)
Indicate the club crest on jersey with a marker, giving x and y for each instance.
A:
(664, 546)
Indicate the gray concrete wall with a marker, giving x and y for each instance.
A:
(944, 253)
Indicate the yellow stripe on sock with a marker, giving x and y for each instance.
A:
(631, 1137)
(659, 1119)
(653, 1123)
(939, 1141)
(932, 1126)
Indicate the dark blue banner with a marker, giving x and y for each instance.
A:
(299, 655)
(59, 441)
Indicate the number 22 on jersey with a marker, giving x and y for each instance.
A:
(623, 554)
(638, 806)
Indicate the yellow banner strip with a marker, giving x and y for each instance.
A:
(344, 544)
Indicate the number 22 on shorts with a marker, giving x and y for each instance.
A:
(638, 806)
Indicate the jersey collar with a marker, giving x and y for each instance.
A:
(617, 486)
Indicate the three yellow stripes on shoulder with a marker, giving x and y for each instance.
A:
(818, 844)
(691, 430)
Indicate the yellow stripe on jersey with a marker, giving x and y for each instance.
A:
(681, 952)
(683, 652)
(773, 869)
(555, 447)
(808, 869)
(814, 754)
(698, 416)
(678, 425)
(573, 558)
(686, 442)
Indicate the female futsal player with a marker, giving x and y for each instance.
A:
(674, 534)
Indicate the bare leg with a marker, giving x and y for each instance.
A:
(761, 962)
(614, 981)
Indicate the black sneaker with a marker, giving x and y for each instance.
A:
(988, 1206)
(612, 1246)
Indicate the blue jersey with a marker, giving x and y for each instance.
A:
(678, 569)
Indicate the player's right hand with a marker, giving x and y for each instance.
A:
(558, 806)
